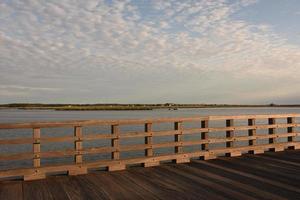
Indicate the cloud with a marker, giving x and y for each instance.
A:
(17, 87)
(119, 40)
(17, 90)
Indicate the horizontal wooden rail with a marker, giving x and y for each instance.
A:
(136, 121)
(182, 135)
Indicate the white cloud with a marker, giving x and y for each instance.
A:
(93, 38)
(17, 90)
(18, 87)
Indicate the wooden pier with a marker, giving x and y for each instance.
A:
(265, 176)
(245, 168)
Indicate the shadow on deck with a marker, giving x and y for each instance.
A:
(265, 176)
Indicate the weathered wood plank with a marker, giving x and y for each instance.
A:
(148, 140)
(117, 163)
(237, 185)
(124, 162)
(11, 190)
(149, 146)
(291, 129)
(247, 177)
(78, 144)
(135, 121)
(115, 155)
(178, 141)
(78, 158)
(36, 147)
(230, 134)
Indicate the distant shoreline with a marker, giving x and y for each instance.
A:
(126, 107)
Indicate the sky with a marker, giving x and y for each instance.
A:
(150, 51)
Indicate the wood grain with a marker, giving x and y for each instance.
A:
(116, 162)
(267, 176)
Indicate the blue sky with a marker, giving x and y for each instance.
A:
(282, 15)
(131, 51)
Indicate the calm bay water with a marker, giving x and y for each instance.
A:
(16, 116)
(12, 116)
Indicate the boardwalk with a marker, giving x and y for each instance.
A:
(265, 176)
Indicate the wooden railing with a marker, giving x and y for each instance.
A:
(116, 162)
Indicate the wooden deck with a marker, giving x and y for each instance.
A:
(264, 176)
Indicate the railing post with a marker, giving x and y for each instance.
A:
(179, 148)
(115, 142)
(78, 144)
(36, 148)
(149, 150)
(252, 142)
(78, 168)
(148, 140)
(272, 131)
(115, 155)
(178, 137)
(205, 136)
(229, 144)
(291, 120)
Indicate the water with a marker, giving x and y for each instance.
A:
(16, 116)
(12, 116)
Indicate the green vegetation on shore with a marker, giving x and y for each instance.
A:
(170, 106)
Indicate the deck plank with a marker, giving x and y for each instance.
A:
(130, 185)
(11, 190)
(112, 186)
(204, 182)
(72, 188)
(264, 176)
(262, 169)
(186, 185)
(239, 174)
(160, 185)
(34, 190)
(237, 185)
